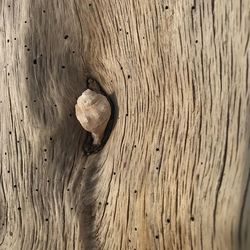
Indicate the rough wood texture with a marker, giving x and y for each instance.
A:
(175, 171)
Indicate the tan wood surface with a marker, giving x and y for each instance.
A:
(174, 173)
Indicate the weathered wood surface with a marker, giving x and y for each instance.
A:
(175, 171)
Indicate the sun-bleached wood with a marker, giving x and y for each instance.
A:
(174, 173)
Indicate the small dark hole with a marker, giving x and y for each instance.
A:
(107, 203)
(143, 37)
(157, 168)
(8, 171)
(135, 228)
(70, 115)
(50, 138)
(36, 190)
(157, 236)
(19, 208)
(134, 146)
(196, 41)
(8, 41)
(114, 173)
(135, 191)
(25, 46)
(9, 6)
(68, 189)
(17, 141)
(14, 186)
(15, 38)
(166, 7)
(55, 105)
(66, 37)
(5, 153)
(71, 208)
(25, 21)
(193, 7)
(157, 149)
(28, 49)
(127, 33)
(100, 203)
(45, 150)
(129, 76)
(45, 159)
(126, 114)
(63, 67)
(168, 220)
(34, 61)
(47, 180)
(129, 240)
(121, 68)
(90, 4)
(44, 11)
(21, 120)
(27, 78)
(34, 100)
(47, 219)
(8, 74)
(192, 218)
(26, 106)
(36, 168)
(10, 132)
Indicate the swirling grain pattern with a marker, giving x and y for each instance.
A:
(174, 173)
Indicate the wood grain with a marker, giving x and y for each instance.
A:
(174, 173)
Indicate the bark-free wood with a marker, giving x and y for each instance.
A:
(175, 172)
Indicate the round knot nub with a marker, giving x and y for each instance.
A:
(93, 111)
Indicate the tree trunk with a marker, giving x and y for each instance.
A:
(174, 173)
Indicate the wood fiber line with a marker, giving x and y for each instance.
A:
(174, 173)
